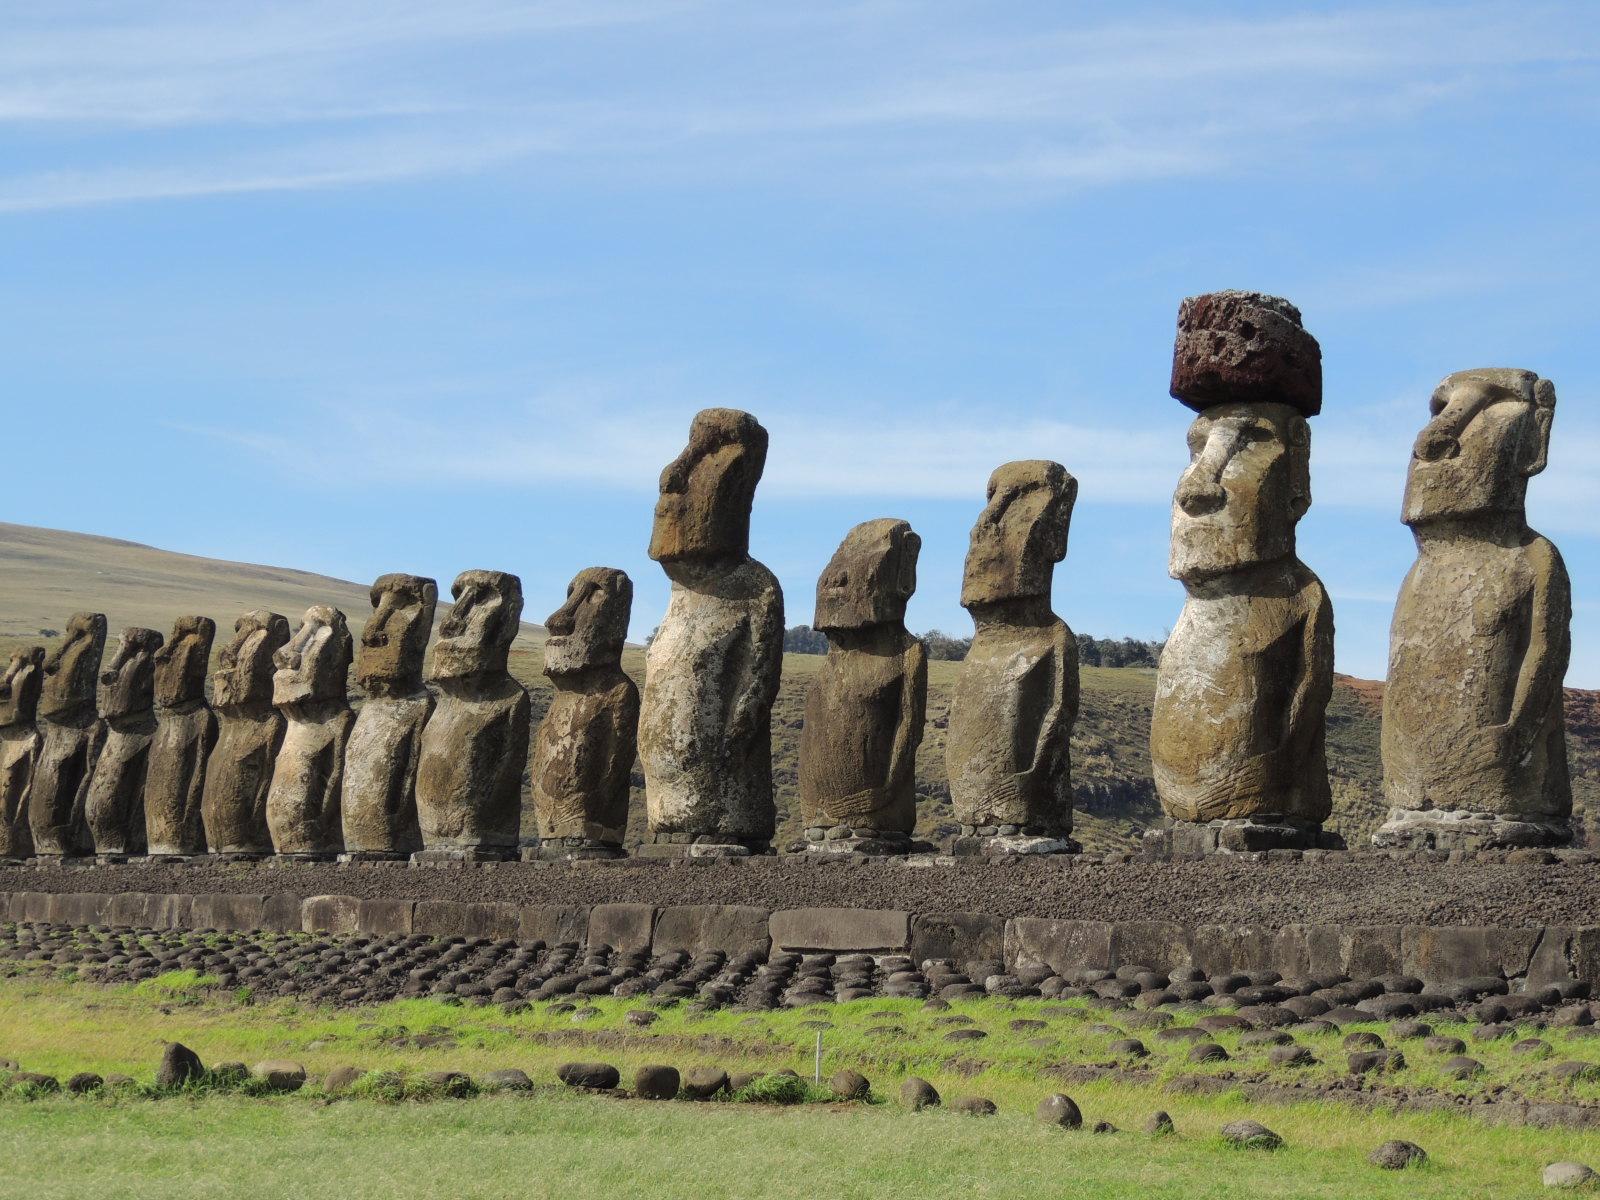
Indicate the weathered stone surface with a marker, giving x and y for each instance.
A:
(1016, 698)
(597, 1076)
(1060, 945)
(1059, 1109)
(917, 1094)
(583, 754)
(330, 914)
(114, 807)
(712, 670)
(378, 798)
(840, 929)
(186, 731)
(1568, 1175)
(280, 1074)
(1245, 347)
(623, 927)
(960, 936)
(475, 745)
(1474, 739)
(849, 1085)
(310, 689)
(250, 730)
(179, 1065)
(654, 1081)
(70, 737)
(19, 748)
(865, 708)
(733, 929)
(1251, 1135)
(552, 924)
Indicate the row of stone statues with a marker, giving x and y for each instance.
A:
(132, 760)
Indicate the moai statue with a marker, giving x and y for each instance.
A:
(71, 733)
(864, 711)
(186, 731)
(1008, 753)
(1474, 739)
(249, 733)
(475, 745)
(310, 688)
(19, 749)
(379, 803)
(711, 674)
(583, 754)
(1237, 735)
(115, 805)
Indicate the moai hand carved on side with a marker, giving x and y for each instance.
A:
(70, 732)
(186, 731)
(19, 749)
(310, 688)
(115, 805)
(1008, 754)
(380, 763)
(711, 674)
(1237, 733)
(249, 733)
(1474, 736)
(865, 708)
(475, 745)
(584, 751)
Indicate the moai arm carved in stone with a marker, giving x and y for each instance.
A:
(70, 732)
(865, 709)
(19, 749)
(380, 770)
(238, 775)
(310, 687)
(1016, 699)
(186, 732)
(115, 805)
(1474, 741)
(584, 753)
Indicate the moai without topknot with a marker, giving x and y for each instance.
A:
(584, 751)
(186, 732)
(114, 808)
(865, 708)
(711, 673)
(379, 803)
(1008, 753)
(310, 687)
(1474, 735)
(19, 749)
(1237, 734)
(70, 733)
(249, 733)
(475, 745)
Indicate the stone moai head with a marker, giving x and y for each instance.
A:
(1489, 434)
(128, 684)
(394, 643)
(20, 685)
(315, 664)
(246, 669)
(708, 490)
(475, 639)
(182, 663)
(589, 629)
(869, 578)
(72, 672)
(1021, 534)
(1246, 364)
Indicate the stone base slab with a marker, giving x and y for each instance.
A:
(374, 856)
(1436, 829)
(571, 850)
(1241, 835)
(464, 856)
(1017, 843)
(842, 839)
(700, 850)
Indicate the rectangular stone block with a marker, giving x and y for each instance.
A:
(962, 936)
(623, 927)
(445, 918)
(380, 918)
(1221, 949)
(1552, 960)
(281, 913)
(841, 929)
(36, 907)
(1063, 946)
(732, 928)
(1439, 954)
(171, 910)
(1583, 954)
(77, 908)
(329, 914)
(554, 925)
(1371, 950)
(133, 910)
(1163, 945)
(1307, 951)
(221, 910)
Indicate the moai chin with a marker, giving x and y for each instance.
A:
(711, 672)
(1237, 734)
(186, 732)
(70, 733)
(19, 749)
(379, 803)
(238, 774)
(864, 710)
(1474, 737)
(583, 753)
(475, 745)
(1008, 752)
(114, 808)
(310, 688)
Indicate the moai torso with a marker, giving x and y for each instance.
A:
(70, 734)
(19, 748)
(186, 731)
(310, 689)
(379, 802)
(250, 730)
(115, 805)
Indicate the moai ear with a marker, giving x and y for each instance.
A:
(1535, 450)
(906, 563)
(1299, 466)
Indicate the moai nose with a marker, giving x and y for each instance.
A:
(1199, 494)
(1434, 443)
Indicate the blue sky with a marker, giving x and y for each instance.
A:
(365, 287)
